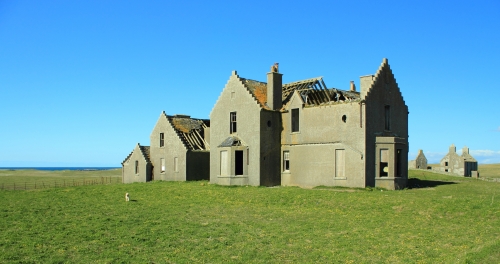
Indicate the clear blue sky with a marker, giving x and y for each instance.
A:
(83, 81)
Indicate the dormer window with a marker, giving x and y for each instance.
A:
(232, 122)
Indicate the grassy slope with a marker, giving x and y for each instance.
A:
(185, 222)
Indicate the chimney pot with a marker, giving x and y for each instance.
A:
(353, 87)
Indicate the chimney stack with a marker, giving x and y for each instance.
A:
(465, 149)
(353, 87)
(274, 88)
(452, 148)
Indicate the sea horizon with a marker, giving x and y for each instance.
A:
(55, 168)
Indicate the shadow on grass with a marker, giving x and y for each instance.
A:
(415, 183)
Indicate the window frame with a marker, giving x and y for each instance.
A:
(286, 161)
(232, 122)
(162, 140)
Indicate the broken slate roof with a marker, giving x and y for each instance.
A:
(190, 131)
(314, 92)
(258, 90)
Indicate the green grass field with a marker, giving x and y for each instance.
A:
(36, 179)
(440, 219)
(489, 170)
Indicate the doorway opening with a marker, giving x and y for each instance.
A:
(238, 166)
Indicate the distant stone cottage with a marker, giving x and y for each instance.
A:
(420, 162)
(296, 134)
(463, 165)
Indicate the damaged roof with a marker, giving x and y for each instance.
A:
(258, 90)
(190, 131)
(313, 97)
(314, 92)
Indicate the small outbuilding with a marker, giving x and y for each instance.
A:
(463, 165)
(420, 162)
(137, 166)
(178, 151)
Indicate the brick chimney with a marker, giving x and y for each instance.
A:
(274, 88)
(353, 87)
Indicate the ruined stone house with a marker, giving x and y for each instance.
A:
(420, 162)
(463, 165)
(307, 134)
(301, 133)
(178, 151)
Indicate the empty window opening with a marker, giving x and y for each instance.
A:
(176, 164)
(162, 140)
(162, 162)
(248, 156)
(269, 123)
(136, 167)
(446, 163)
(286, 161)
(232, 125)
(384, 162)
(295, 120)
(340, 163)
(398, 163)
(238, 165)
(344, 118)
(387, 117)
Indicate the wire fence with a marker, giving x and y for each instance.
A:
(44, 184)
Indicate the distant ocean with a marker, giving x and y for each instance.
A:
(60, 168)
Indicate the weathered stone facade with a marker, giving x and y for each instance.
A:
(178, 151)
(297, 134)
(420, 162)
(463, 165)
(137, 166)
(314, 136)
